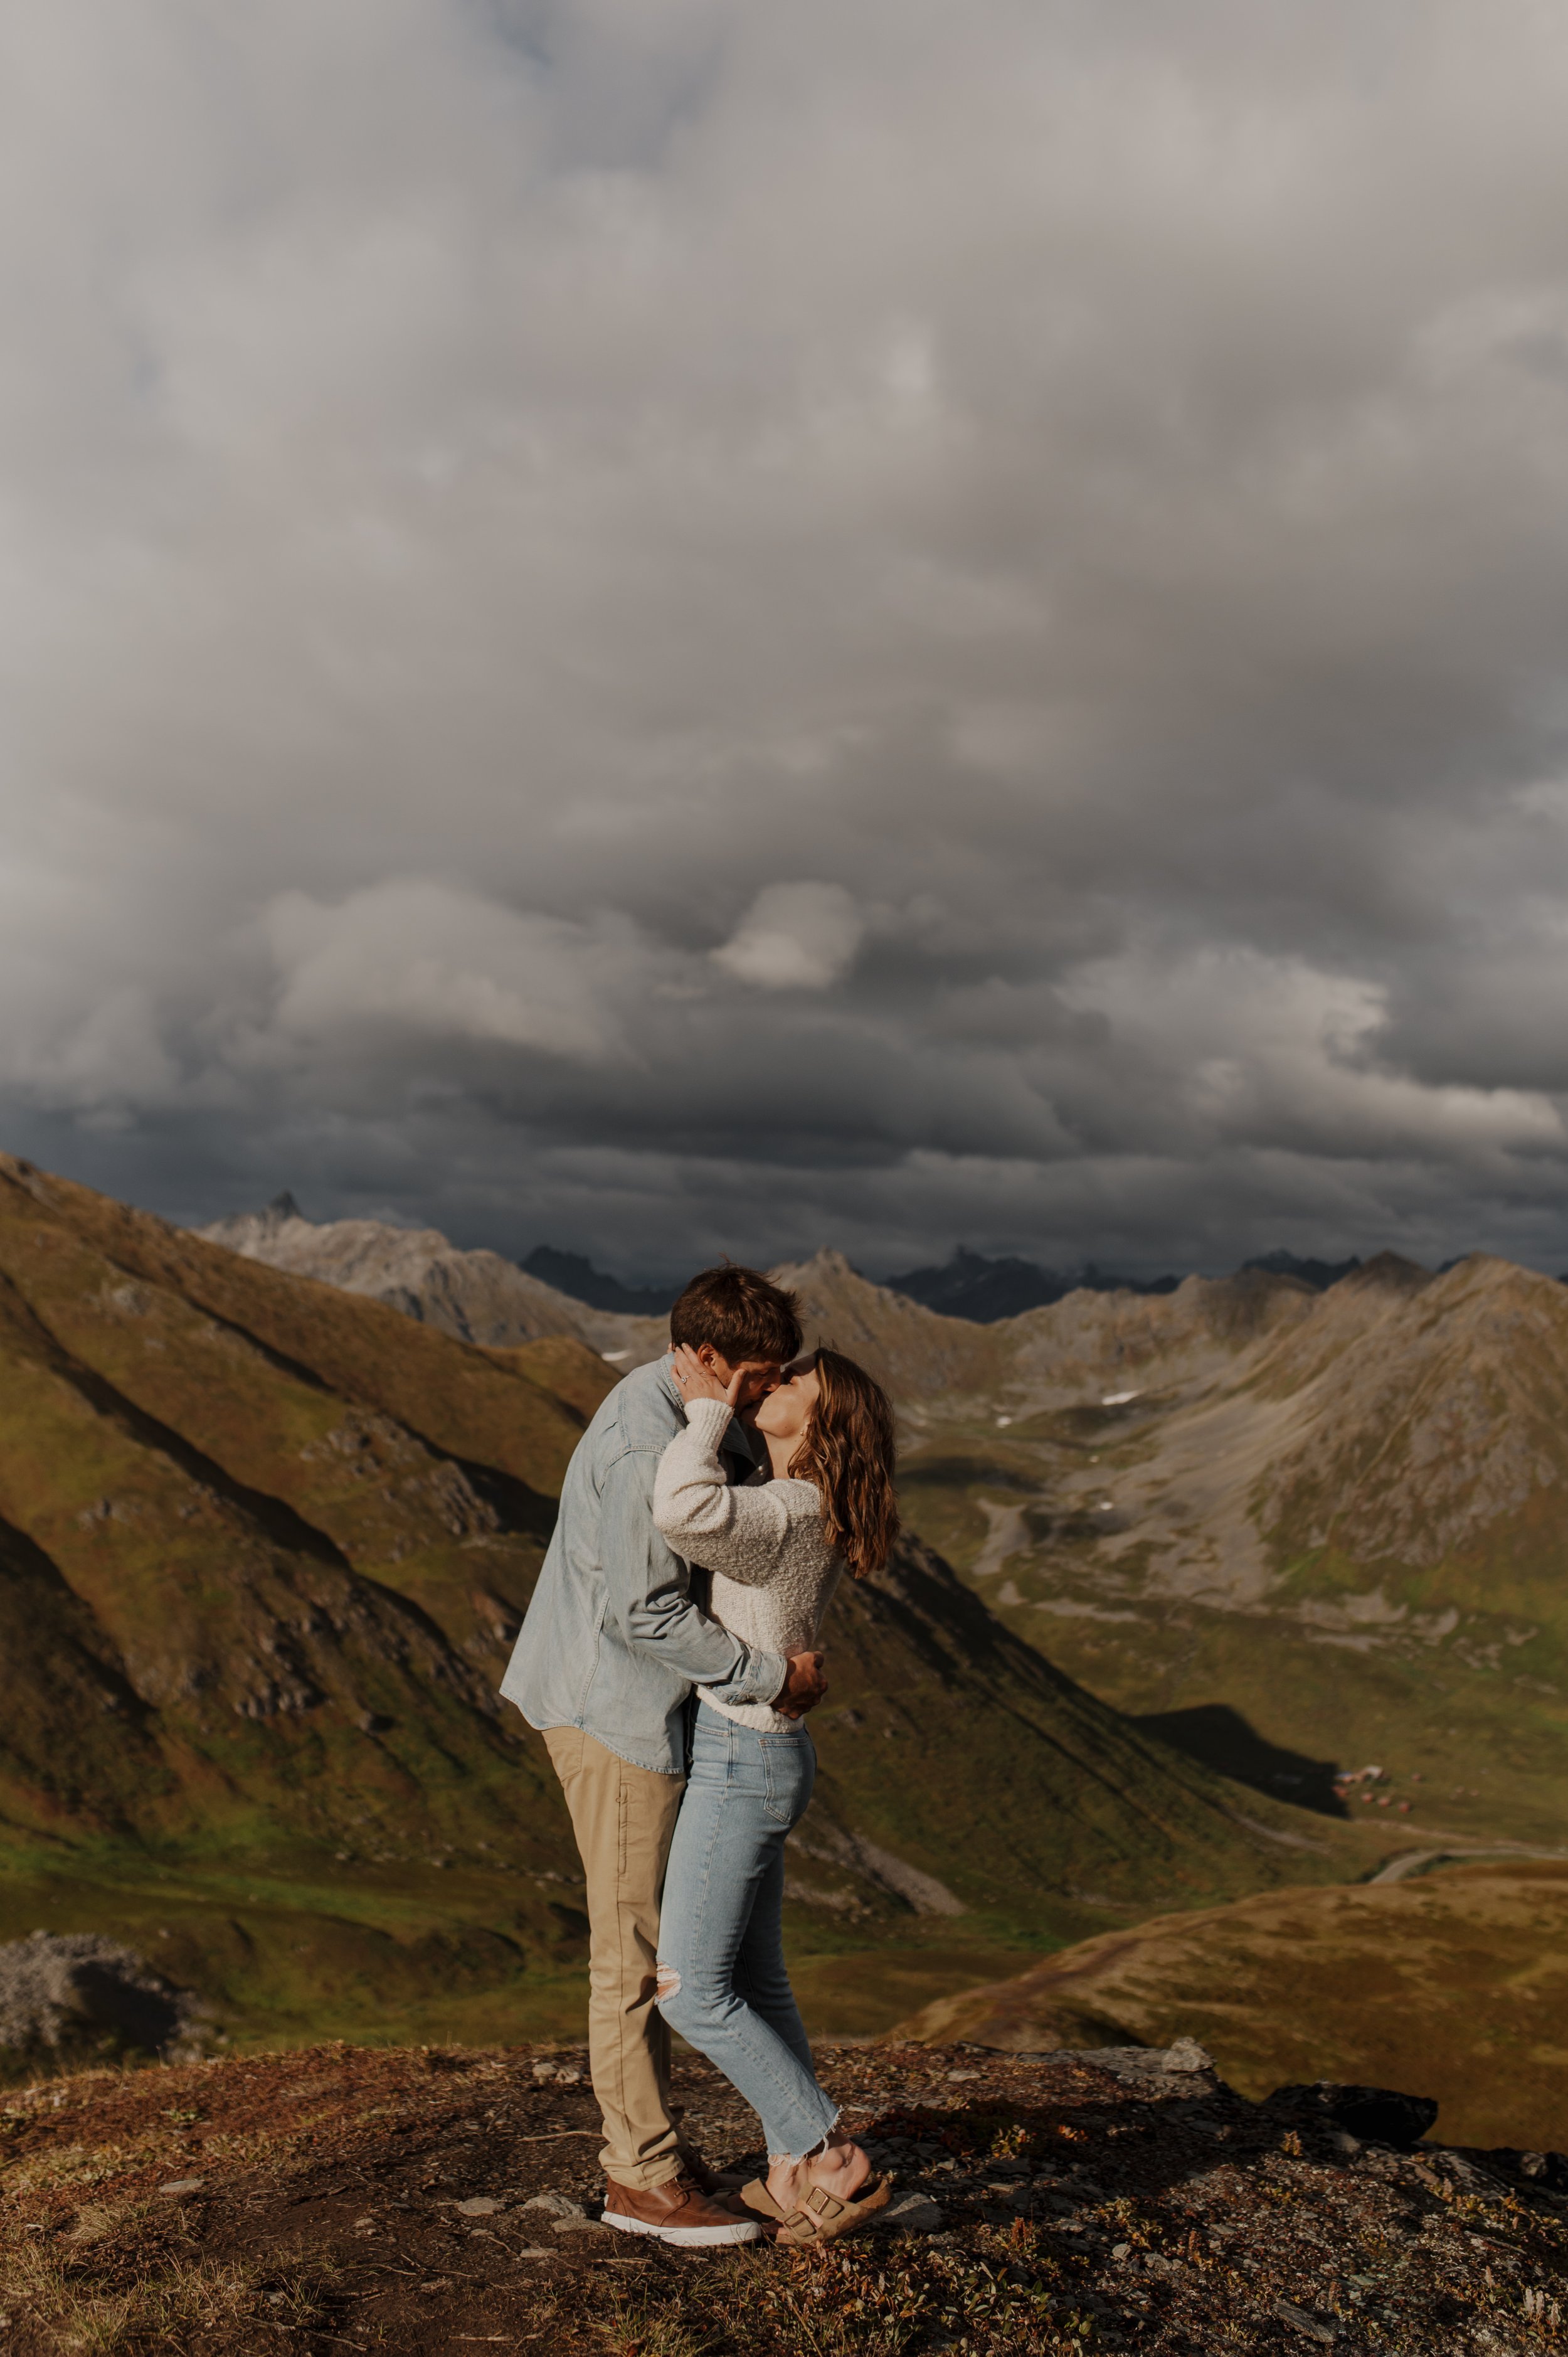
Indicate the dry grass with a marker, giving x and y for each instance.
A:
(137, 2289)
(857, 2300)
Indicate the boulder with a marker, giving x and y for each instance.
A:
(1375, 2115)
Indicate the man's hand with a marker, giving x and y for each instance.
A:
(804, 1688)
(697, 1382)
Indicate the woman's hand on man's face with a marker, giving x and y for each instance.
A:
(697, 1382)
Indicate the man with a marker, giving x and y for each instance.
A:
(611, 1649)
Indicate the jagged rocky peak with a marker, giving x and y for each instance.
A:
(987, 1291)
(574, 1275)
(970, 1286)
(475, 1296)
(1317, 1274)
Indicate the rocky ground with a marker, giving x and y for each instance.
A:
(432, 2201)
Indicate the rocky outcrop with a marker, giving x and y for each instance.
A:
(79, 1996)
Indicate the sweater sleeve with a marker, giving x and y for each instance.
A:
(648, 1598)
(744, 1533)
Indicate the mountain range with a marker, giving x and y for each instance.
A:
(574, 1275)
(470, 1293)
(264, 1544)
(970, 1286)
(475, 1296)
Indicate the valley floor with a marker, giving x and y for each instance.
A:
(419, 2201)
(1058, 1524)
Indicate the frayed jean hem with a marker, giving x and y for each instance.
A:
(796, 2159)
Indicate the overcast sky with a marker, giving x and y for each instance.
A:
(679, 625)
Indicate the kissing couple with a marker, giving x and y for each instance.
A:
(669, 1658)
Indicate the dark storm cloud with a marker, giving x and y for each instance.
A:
(685, 625)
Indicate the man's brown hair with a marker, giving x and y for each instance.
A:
(740, 1313)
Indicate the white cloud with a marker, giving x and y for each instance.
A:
(433, 960)
(1274, 1048)
(795, 937)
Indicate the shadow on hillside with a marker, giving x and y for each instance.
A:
(1220, 1738)
(1172, 2147)
(954, 1472)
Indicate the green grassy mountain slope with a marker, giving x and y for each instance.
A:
(263, 1547)
(276, 1601)
(1452, 1985)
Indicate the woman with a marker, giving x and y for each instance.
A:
(775, 1549)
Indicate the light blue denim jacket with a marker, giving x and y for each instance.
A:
(613, 1641)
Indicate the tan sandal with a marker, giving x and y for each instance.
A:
(822, 2215)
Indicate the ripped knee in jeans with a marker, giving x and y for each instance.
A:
(666, 1983)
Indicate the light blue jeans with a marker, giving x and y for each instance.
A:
(722, 1981)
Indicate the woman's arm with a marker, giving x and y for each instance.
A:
(744, 1533)
(649, 1601)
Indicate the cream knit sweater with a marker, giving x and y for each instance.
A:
(773, 1570)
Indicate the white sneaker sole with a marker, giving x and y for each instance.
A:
(684, 2238)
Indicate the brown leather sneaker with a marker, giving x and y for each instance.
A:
(678, 2211)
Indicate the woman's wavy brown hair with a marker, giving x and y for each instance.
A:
(847, 1449)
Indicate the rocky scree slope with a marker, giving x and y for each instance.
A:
(1051, 1357)
(1401, 1428)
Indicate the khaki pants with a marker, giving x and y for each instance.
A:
(624, 1818)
